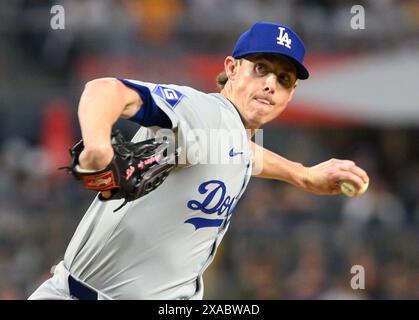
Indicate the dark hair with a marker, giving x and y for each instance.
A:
(221, 80)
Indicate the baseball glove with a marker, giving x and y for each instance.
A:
(135, 170)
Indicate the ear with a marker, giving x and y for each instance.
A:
(292, 91)
(230, 67)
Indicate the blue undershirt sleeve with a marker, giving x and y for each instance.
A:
(149, 114)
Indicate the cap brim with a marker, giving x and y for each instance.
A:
(302, 72)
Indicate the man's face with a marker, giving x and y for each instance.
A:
(260, 86)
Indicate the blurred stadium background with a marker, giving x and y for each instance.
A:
(362, 103)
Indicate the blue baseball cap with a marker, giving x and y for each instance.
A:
(266, 37)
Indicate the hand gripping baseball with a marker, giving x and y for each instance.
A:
(336, 176)
(135, 170)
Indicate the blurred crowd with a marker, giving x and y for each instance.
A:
(283, 243)
(120, 26)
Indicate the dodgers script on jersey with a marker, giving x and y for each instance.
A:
(158, 246)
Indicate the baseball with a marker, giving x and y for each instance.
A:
(350, 190)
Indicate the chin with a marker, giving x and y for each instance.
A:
(256, 121)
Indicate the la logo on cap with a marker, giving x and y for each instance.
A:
(283, 38)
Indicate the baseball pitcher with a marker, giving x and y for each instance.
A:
(166, 198)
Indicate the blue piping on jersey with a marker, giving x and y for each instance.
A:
(149, 114)
(204, 223)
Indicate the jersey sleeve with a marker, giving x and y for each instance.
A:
(152, 112)
(191, 113)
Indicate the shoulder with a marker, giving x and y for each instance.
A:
(169, 92)
(184, 95)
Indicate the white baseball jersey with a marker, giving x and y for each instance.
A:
(158, 246)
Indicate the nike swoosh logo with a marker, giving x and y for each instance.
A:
(232, 153)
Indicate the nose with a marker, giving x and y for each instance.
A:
(270, 83)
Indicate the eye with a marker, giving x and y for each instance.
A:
(261, 69)
(285, 79)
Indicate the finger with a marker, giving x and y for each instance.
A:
(106, 194)
(356, 170)
(335, 188)
(343, 162)
(362, 174)
(351, 177)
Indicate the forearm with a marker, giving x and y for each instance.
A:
(270, 165)
(102, 102)
(319, 179)
(100, 106)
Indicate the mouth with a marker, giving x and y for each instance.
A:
(264, 101)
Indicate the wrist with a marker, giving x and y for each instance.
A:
(96, 157)
(303, 177)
